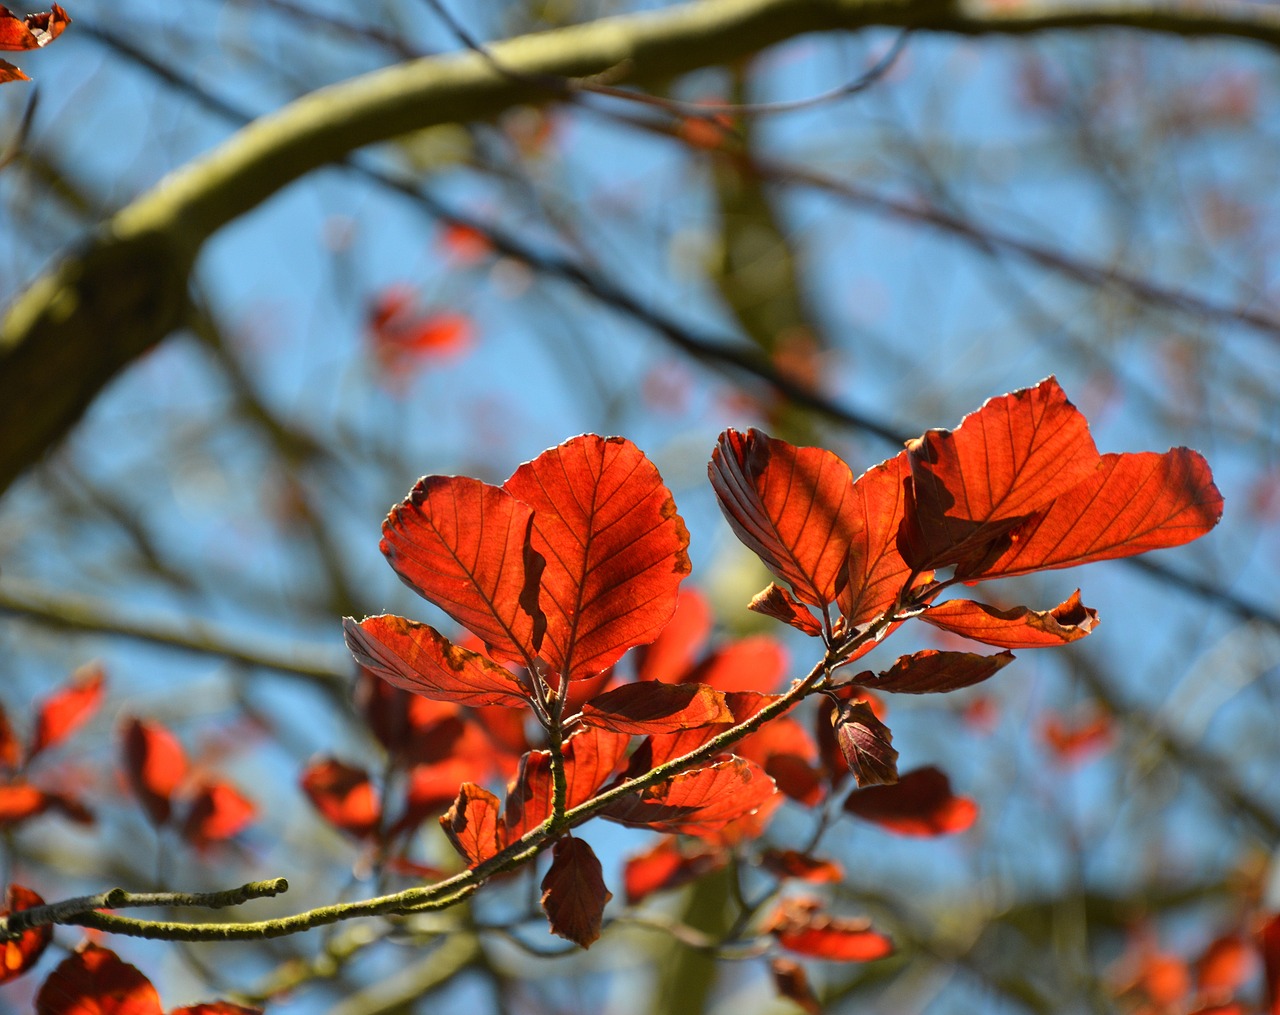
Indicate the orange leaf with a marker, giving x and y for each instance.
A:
(920, 804)
(1074, 739)
(591, 756)
(784, 749)
(703, 800)
(8, 72)
(431, 790)
(155, 765)
(669, 657)
(1019, 627)
(1129, 504)
(19, 954)
(655, 707)
(757, 663)
(1226, 964)
(344, 796)
(667, 866)
(778, 603)
(876, 569)
(933, 672)
(20, 801)
(95, 981)
(573, 892)
(218, 811)
(1005, 461)
(662, 747)
(801, 927)
(791, 863)
(793, 507)
(472, 824)
(615, 550)
(68, 709)
(461, 544)
(418, 658)
(33, 31)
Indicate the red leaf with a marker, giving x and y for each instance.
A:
(800, 926)
(8, 72)
(431, 790)
(1019, 627)
(1128, 505)
(20, 801)
(1269, 946)
(67, 710)
(461, 544)
(654, 707)
(669, 657)
(662, 747)
(1225, 966)
(667, 866)
(695, 802)
(216, 1008)
(344, 796)
(573, 892)
(401, 331)
(416, 657)
(95, 981)
(778, 603)
(866, 744)
(790, 863)
(792, 982)
(33, 31)
(793, 507)
(21, 953)
(933, 672)
(412, 727)
(1005, 461)
(876, 569)
(614, 545)
(1073, 740)
(464, 244)
(155, 765)
(473, 826)
(591, 756)
(757, 663)
(920, 803)
(10, 748)
(784, 749)
(218, 811)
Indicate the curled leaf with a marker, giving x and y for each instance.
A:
(33, 31)
(776, 602)
(1019, 627)
(473, 824)
(933, 672)
(865, 743)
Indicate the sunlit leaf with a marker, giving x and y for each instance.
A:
(776, 602)
(68, 709)
(919, 804)
(755, 663)
(670, 656)
(95, 981)
(155, 765)
(573, 892)
(668, 866)
(791, 863)
(218, 811)
(33, 31)
(474, 824)
(19, 954)
(461, 543)
(800, 926)
(591, 756)
(876, 570)
(1225, 965)
(20, 801)
(693, 802)
(1019, 627)
(615, 550)
(793, 507)
(416, 657)
(8, 72)
(655, 707)
(784, 749)
(660, 748)
(932, 672)
(344, 795)
(866, 744)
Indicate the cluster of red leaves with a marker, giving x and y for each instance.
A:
(403, 335)
(32, 32)
(95, 981)
(56, 719)
(173, 793)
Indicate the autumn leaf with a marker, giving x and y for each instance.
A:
(667, 866)
(655, 707)
(400, 331)
(8, 72)
(1129, 504)
(1268, 938)
(702, 800)
(615, 550)
(573, 892)
(755, 663)
(155, 765)
(1018, 627)
(792, 982)
(473, 824)
(670, 656)
(790, 863)
(344, 795)
(33, 31)
(800, 926)
(591, 756)
(68, 709)
(919, 804)
(418, 658)
(461, 544)
(865, 743)
(95, 981)
(970, 486)
(776, 602)
(793, 507)
(784, 749)
(932, 672)
(10, 747)
(876, 570)
(19, 954)
(218, 812)
(1075, 738)
(659, 748)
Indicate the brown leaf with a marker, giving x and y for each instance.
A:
(694, 802)
(792, 982)
(654, 707)
(919, 804)
(33, 31)
(8, 72)
(933, 672)
(418, 658)
(615, 549)
(866, 744)
(793, 507)
(573, 892)
(1019, 627)
(778, 603)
